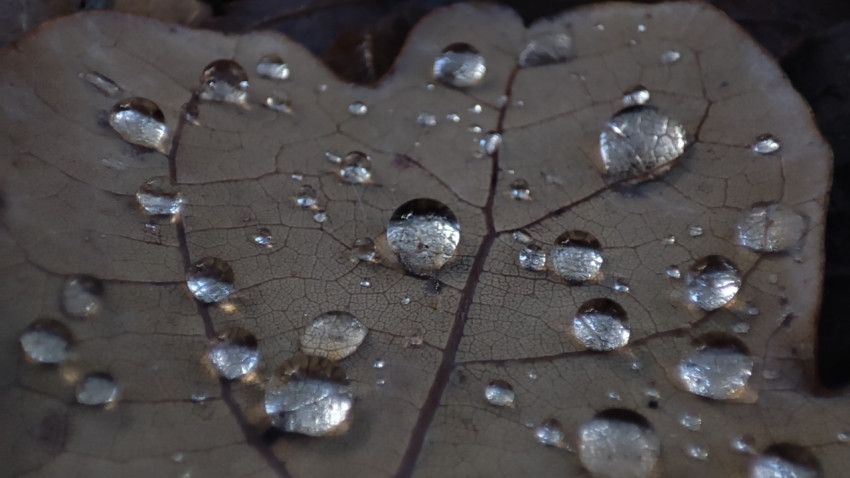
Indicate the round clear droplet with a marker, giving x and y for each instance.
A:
(379, 364)
(638, 95)
(97, 389)
(533, 258)
(719, 368)
(499, 393)
(577, 256)
(82, 296)
(771, 228)
(713, 281)
(210, 280)
(234, 353)
(225, 81)
(139, 121)
(334, 335)
(46, 341)
(766, 144)
(158, 197)
(520, 190)
(363, 249)
(786, 461)
(320, 216)
(101, 82)
(619, 443)
(272, 66)
(263, 237)
(600, 325)
(358, 108)
(640, 140)
(356, 168)
(306, 196)
(459, 65)
(547, 49)
(424, 233)
(673, 272)
(490, 143)
(549, 432)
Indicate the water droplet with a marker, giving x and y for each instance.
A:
(358, 108)
(771, 228)
(638, 95)
(320, 216)
(82, 296)
(546, 50)
(752, 310)
(380, 382)
(743, 444)
(614, 395)
(415, 340)
(522, 237)
(520, 190)
(668, 240)
(577, 256)
(139, 121)
(641, 28)
(379, 364)
(695, 231)
(272, 66)
(46, 341)
(785, 461)
(224, 80)
(356, 169)
(97, 388)
(696, 452)
(673, 272)
(321, 87)
(158, 197)
(426, 119)
(279, 103)
(365, 283)
(459, 65)
(549, 433)
(622, 286)
(334, 335)
(640, 139)
(235, 353)
(263, 237)
(453, 117)
(691, 422)
(309, 396)
(306, 196)
(405, 300)
(424, 233)
(101, 82)
(670, 56)
(618, 443)
(719, 368)
(177, 457)
(843, 437)
(599, 27)
(531, 374)
(499, 393)
(599, 325)
(712, 282)
(533, 258)
(741, 327)
(363, 249)
(334, 158)
(210, 280)
(766, 144)
(475, 109)
(490, 143)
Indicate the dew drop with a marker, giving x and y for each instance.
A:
(474, 129)
(696, 452)
(358, 108)
(363, 249)
(453, 117)
(719, 368)
(82, 296)
(618, 443)
(640, 139)
(549, 433)
(490, 143)
(101, 82)
(263, 237)
(279, 103)
(235, 353)
(547, 50)
(622, 286)
(533, 258)
(475, 109)
(46, 341)
(306, 196)
(224, 80)
(333, 335)
(424, 233)
(752, 310)
(210, 280)
(641, 28)
(668, 240)
(691, 422)
(426, 119)
(577, 256)
(843, 437)
(459, 65)
(743, 444)
(695, 231)
(741, 327)
(638, 95)
(766, 144)
(673, 272)
(771, 228)
(522, 237)
(97, 388)
(272, 66)
(139, 121)
(599, 325)
(379, 364)
(785, 461)
(670, 56)
(158, 197)
(414, 341)
(380, 382)
(334, 158)
(356, 168)
(499, 393)
(320, 216)
(713, 281)
(532, 375)
(405, 300)
(520, 190)
(365, 283)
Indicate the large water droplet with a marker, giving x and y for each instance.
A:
(599, 325)
(499, 393)
(358, 108)
(490, 143)
(459, 65)
(549, 432)
(520, 190)
(103, 83)
(771, 228)
(334, 335)
(363, 249)
(636, 96)
(424, 233)
(272, 66)
(785, 461)
(639, 140)
(577, 256)
(235, 353)
(46, 341)
(210, 280)
(532, 257)
(618, 443)
(719, 368)
(712, 282)
(224, 80)
(306, 196)
(310, 396)
(82, 296)
(546, 50)
(97, 388)
(766, 144)
(356, 168)
(140, 121)
(158, 197)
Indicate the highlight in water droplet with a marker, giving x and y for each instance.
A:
(577, 256)
(224, 81)
(139, 121)
(424, 233)
(459, 65)
(640, 140)
(210, 280)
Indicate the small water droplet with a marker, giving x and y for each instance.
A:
(673, 272)
(532, 375)
(719, 368)
(532, 257)
(379, 364)
(158, 197)
(696, 452)
(785, 461)
(490, 143)
(358, 108)
(334, 158)
(82, 296)
(766, 144)
(640, 139)
(641, 28)
(97, 388)
(415, 340)
(520, 190)
(320, 216)
(459, 65)
(263, 237)
(103, 83)
(139, 121)
(691, 421)
(549, 433)
(752, 310)
(475, 129)
(773, 278)
(743, 444)
(638, 95)
(637, 365)
(614, 395)
(771, 228)
(380, 382)
(619, 443)
(333, 335)
(499, 393)
(356, 168)
(321, 87)
(297, 176)
(843, 437)
(713, 281)
(177, 457)
(475, 109)
(547, 49)
(741, 327)
(405, 300)
(279, 103)
(363, 249)
(652, 393)
(670, 56)
(577, 256)
(235, 353)
(522, 236)
(426, 119)
(622, 286)
(668, 240)
(224, 80)
(210, 280)
(695, 231)
(365, 283)
(599, 325)
(453, 117)
(599, 27)
(306, 196)
(424, 233)
(46, 341)
(272, 66)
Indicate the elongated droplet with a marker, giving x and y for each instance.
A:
(520, 190)
(636, 96)
(549, 432)
(499, 393)
(334, 335)
(234, 353)
(46, 341)
(279, 103)
(547, 50)
(263, 237)
(225, 81)
(101, 82)
(533, 258)
(766, 144)
(459, 65)
(522, 236)
(363, 249)
(695, 230)
(210, 280)
(743, 444)
(600, 325)
(82, 296)
(786, 461)
(272, 66)
(306, 196)
(577, 256)
(424, 233)
(490, 143)
(673, 272)
(358, 108)
(426, 119)
(158, 197)
(771, 228)
(356, 168)
(696, 452)
(619, 443)
(139, 121)
(640, 140)
(670, 56)
(97, 388)
(719, 368)
(713, 281)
